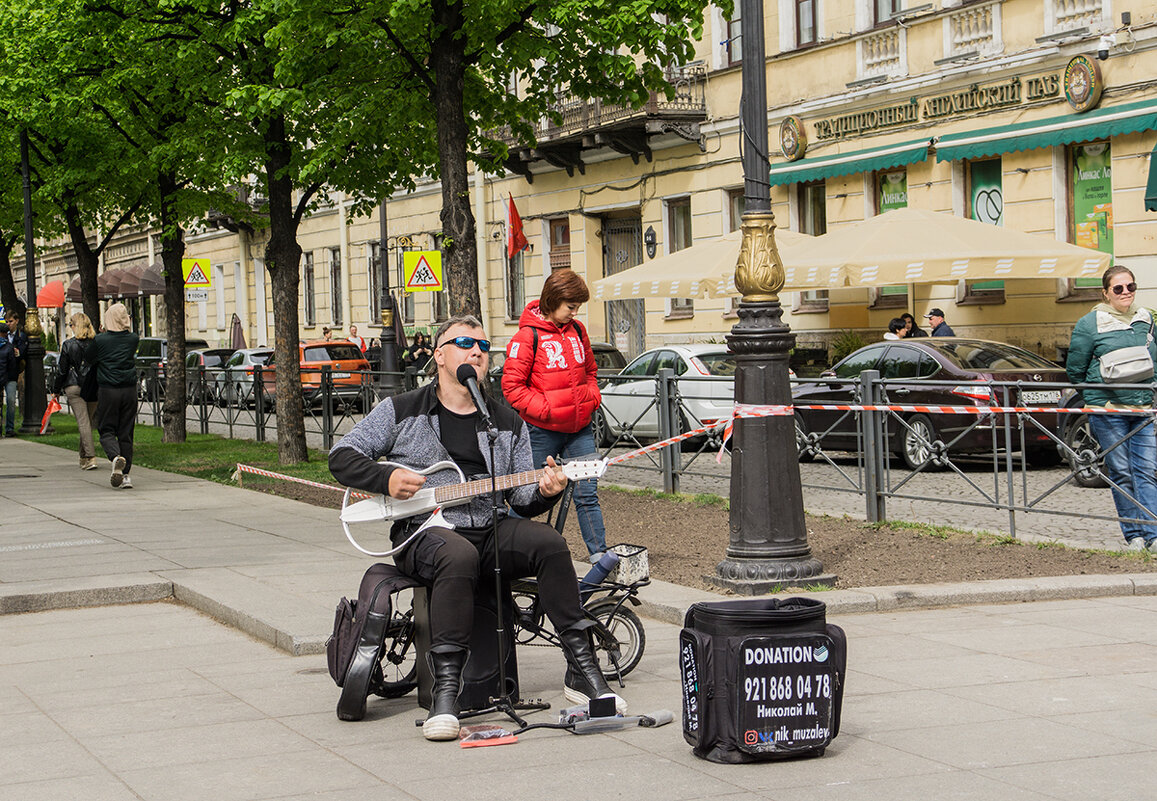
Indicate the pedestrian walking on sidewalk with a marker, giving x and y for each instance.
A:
(113, 355)
(76, 380)
(1114, 344)
(8, 365)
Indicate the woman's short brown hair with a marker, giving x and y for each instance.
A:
(1116, 269)
(562, 286)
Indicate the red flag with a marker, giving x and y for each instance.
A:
(515, 239)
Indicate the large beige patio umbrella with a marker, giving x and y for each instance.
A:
(708, 269)
(916, 246)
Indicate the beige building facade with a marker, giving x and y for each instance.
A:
(1038, 115)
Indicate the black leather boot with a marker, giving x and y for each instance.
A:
(584, 680)
(446, 668)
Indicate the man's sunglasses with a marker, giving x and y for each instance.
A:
(466, 343)
(1121, 289)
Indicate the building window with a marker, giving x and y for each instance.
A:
(309, 304)
(884, 9)
(736, 203)
(406, 302)
(891, 193)
(559, 243)
(515, 286)
(813, 219)
(335, 291)
(375, 270)
(1090, 191)
(986, 205)
(805, 22)
(679, 237)
(733, 45)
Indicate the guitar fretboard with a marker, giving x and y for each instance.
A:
(481, 486)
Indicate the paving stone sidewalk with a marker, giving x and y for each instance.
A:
(126, 700)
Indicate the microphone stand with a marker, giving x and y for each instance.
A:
(505, 702)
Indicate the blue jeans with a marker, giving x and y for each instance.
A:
(1132, 465)
(10, 407)
(546, 443)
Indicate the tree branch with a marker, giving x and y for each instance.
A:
(419, 69)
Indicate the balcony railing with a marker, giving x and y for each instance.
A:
(580, 116)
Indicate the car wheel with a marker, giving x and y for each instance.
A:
(917, 442)
(1084, 461)
(602, 435)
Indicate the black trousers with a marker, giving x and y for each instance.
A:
(451, 563)
(117, 412)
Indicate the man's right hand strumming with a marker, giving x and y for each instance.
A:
(404, 483)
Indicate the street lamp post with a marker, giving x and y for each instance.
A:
(768, 546)
(389, 383)
(35, 395)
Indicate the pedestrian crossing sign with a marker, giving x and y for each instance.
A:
(422, 270)
(197, 273)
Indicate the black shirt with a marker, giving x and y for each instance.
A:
(459, 434)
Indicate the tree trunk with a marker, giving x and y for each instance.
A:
(172, 251)
(460, 259)
(283, 260)
(86, 263)
(8, 296)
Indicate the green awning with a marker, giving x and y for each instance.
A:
(1099, 124)
(877, 158)
(1151, 187)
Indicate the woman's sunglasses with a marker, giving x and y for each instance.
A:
(1121, 289)
(466, 343)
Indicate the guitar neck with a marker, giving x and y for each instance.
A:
(469, 489)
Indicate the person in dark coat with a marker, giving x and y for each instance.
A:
(913, 329)
(939, 327)
(8, 368)
(18, 341)
(114, 355)
(76, 380)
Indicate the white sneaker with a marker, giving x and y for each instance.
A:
(1152, 546)
(118, 471)
(1136, 544)
(126, 483)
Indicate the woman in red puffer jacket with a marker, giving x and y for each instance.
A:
(549, 377)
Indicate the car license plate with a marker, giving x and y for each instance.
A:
(1040, 396)
(347, 375)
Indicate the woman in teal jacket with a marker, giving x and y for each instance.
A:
(1128, 440)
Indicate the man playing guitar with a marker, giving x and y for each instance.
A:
(438, 422)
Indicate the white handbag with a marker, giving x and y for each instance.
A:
(1132, 365)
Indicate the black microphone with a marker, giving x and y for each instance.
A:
(468, 378)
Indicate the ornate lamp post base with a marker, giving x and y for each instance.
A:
(768, 549)
(35, 394)
(763, 576)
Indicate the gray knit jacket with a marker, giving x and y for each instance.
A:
(405, 429)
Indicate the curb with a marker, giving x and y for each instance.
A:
(299, 629)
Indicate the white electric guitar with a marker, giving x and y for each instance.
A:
(433, 499)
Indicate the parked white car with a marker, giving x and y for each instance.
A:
(706, 387)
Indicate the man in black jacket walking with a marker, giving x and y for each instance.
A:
(939, 327)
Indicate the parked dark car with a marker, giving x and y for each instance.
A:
(966, 364)
(150, 361)
(204, 390)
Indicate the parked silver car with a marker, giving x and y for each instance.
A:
(235, 380)
(706, 388)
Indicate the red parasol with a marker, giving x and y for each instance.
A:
(51, 295)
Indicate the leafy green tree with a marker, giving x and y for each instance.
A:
(462, 56)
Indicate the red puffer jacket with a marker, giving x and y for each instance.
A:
(553, 386)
